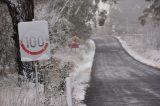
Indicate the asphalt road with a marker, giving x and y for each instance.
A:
(119, 80)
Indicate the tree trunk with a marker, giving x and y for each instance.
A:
(21, 11)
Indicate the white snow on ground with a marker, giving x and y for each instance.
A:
(81, 76)
(83, 59)
(141, 58)
(11, 95)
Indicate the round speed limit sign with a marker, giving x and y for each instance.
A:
(34, 42)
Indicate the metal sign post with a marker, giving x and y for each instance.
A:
(36, 71)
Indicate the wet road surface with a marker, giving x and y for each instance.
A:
(119, 80)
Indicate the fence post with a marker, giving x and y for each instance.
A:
(69, 91)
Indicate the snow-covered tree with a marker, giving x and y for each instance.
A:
(6, 47)
(72, 16)
(152, 11)
(78, 13)
(20, 10)
(151, 16)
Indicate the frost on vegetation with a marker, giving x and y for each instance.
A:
(7, 49)
(52, 73)
(63, 20)
(55, 71)
(60, 32)
(82, 74)
(103, 6)
(102, 12)
(82, 60)
(51, 90)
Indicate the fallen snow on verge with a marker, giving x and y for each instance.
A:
(81, 76)
(82, 59)
(138, 57)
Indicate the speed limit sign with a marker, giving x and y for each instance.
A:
(34, 40)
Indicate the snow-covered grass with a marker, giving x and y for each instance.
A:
(80, 76)
(12, 95)
(149, 57)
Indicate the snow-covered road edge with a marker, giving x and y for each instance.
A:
(136, 56)
(82, 75)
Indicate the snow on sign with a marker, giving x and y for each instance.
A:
(34, 40)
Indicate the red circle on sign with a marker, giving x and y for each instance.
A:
(31, 52)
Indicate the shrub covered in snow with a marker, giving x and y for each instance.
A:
(54, 73)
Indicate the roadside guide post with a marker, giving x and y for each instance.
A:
(34, 44)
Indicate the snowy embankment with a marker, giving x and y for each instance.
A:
(137, 56)
(80, 76)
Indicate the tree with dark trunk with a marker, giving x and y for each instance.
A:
(20, 11)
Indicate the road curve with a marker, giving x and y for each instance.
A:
(119, 80)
